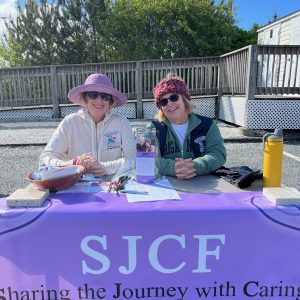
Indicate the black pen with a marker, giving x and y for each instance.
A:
(110, 187)
(134, 192)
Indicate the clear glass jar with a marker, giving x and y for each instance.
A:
(147, 154)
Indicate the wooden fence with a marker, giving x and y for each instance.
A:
(260, 71)
(278, 70)
(252, 71)
(50, 84)
(233, 72)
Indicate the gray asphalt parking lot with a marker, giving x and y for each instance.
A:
(22, 142)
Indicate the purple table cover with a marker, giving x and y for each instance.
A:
(98, 246)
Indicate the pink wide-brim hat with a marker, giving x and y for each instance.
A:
(96, 83)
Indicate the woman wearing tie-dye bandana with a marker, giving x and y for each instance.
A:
(190, 145)
(93, 137)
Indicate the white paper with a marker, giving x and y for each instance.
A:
(157, 191)
(86, 187)
(145, 166)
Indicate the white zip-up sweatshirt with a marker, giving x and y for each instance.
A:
(111, 141)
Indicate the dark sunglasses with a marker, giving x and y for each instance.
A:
(164, 101)
(95, 95)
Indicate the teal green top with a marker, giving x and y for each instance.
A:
(214, 152)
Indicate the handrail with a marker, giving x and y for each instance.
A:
(251, 71)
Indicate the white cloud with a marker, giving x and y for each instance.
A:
(8, 10)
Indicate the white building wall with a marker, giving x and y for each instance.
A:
(295, 37)
(260, 114)
(285, 31)
(269, 36)
(233, 109)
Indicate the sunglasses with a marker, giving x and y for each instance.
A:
(95, 95)
(164, 101)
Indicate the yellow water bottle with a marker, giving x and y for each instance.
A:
(273, 154)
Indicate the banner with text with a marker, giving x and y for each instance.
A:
(99, 246)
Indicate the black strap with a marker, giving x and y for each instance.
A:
(161, 133)
(241, 176)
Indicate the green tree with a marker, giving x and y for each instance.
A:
(34, 31)
(96, 14)
(73, 33)
(11, 53)
(80, 31)
(139, 29)
(251, 35)
(60, 32)
(90, 31)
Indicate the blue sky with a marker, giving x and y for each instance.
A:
(249, 12)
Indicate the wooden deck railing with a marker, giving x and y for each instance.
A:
(251, 71)
(233, 72)
(50, 84)
(278, 70)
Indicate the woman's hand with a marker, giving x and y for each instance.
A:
(184, 168)
(96, 169)
(90, 164)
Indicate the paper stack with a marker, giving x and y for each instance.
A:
(58, 172)
(27, 197)
(283, 195)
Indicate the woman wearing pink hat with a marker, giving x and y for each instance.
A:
(190, 145)
(93, 137)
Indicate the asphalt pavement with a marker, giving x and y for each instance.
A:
(24, 133)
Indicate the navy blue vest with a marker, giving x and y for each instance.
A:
(199, 131)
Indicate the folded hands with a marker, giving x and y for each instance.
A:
(184, 168)
(91, 164)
